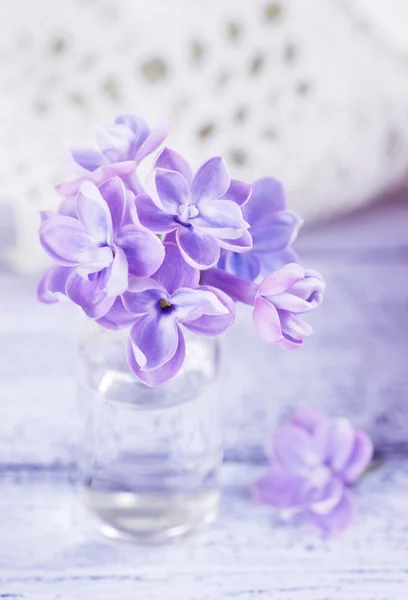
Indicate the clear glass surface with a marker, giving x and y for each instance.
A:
(150, 457)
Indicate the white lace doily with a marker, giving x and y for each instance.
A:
(298, 89)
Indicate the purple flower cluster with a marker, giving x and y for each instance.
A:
(176, 253)
(313, 460)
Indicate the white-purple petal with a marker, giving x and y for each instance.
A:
(88, 158)
(144, 251)
(90, 294)
(279, 488)
(338, 439)
(266, 321)
(241, 245)
(198, 249)
(117, 317)
(93, 212)
(153, 140)
(174, 272)
(94, 259)
(246, 266)
(162, 374)
(190, 304)
(238, 191)
(122, 169)
(52, 284)
(275, 231)
(281, 280)
(118, 276)
(337, 520)
(293, 327)
(213, 325)
(143, 302)
(114, 141)
(152, 217)
(221, 218)
(173, 161)
(114, 193)
(267, 197)
(63, 238)
(295, 450)
(172, 191)
(154, 339)
(289, 302)
(211, 181)
(360, 458)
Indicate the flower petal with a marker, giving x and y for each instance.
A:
(156, 136)
(324, 500)
(360, 458)
(190, 304)
(52, 284)
(281, 280)
(246, 266)
(144, 251)
(198, 249)
(143, 302)
(172, 191)
(90, 294)
(155, 339)
(267, 197)
(275, 231)
(266, 320)
(94, 259)
(88, 158)
(93, 212)
(278, 488)
(295, 450)
(63, 238)
(213, 325)
(174, 272)
(294, 327)
(221, 219)
(276, 260)
(152, 217)
(118, 278)
(211, 181)
(138, 126)
(117, 317)
(114, 193)
(338, 439)
(162, 374)
(238, 191)
(173, 161)
(241, 245)
(98, 176)
(308, 419)
(114, 141)
(336, 521)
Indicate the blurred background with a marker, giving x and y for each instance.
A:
(314, 92)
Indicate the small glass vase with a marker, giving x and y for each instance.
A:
(150, 457)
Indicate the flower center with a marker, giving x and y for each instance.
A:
(187, 212)
(165, 306)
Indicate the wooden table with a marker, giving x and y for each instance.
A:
(47, 549)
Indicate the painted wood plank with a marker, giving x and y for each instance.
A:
(48, 550)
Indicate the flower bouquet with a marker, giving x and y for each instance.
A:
(164, 262)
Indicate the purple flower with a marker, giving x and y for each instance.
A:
(278, 300)
(203, 210)
(122, 147)
(156, 307)
(313, 459)
(94, 251)
(272, 228)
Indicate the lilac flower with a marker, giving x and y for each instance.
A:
(313, 459)
(203, 210)
(94, 251)
(122, 147)
(157, 306)
(278, 300)
(273, 229)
